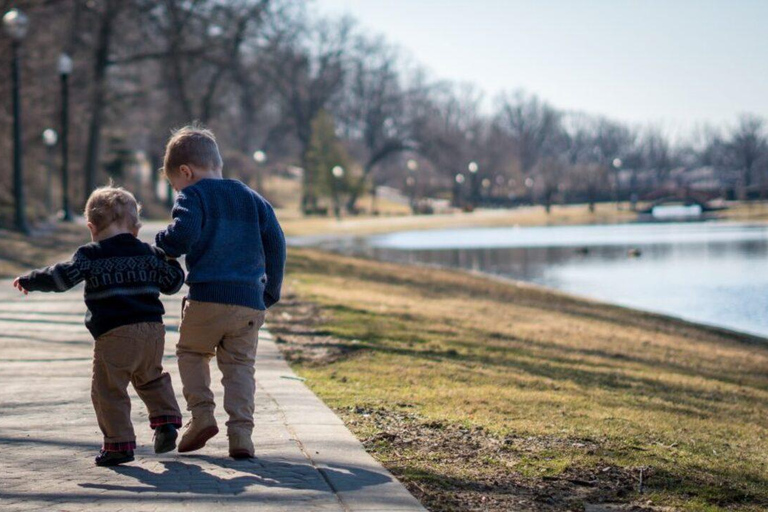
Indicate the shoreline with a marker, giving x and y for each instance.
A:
(720, 330)
(294, 224)
(339, 244)
(318, 240)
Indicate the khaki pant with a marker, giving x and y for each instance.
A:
(231, 333)
(131, 354)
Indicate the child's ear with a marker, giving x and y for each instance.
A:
(186, 171)
(92, 229)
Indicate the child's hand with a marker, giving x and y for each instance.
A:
(17, 284)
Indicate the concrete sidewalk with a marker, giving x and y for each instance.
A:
(306, 459)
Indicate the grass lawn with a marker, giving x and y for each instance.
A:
(483, 394)
(751, 211)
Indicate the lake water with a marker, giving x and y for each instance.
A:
(714, 273)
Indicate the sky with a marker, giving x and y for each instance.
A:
(676, 64)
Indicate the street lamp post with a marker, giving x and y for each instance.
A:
(65, 69)
(616, 163)
(338, 173)
(458, 181)
(529, 188)
(413, 166)
(259, 157)
(50, 138)
(473, 168)
(486, 184)
(16, 25)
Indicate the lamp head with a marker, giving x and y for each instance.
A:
(65, 64)
(16, 24)
(50, 137)
(260, 157)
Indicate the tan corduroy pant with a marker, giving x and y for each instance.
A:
(231, 333)
(131, 354)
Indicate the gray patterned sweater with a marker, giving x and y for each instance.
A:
(123, 281)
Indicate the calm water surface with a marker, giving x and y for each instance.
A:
(714, 273)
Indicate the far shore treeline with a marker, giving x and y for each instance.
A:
(295, 95)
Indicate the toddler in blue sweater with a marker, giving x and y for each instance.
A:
(235, 256)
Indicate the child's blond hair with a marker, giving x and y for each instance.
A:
(192, 145)
(110, 204)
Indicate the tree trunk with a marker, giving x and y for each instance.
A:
(308, 196)
(101, 62)
(548, 200)
(358, 189)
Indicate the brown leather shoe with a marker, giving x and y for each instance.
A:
(198, 431)
(240, 444)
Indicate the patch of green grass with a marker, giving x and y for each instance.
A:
(578, 386)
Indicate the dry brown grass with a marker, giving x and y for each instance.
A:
(48, 244)
(295, 224)
(751, 211)
(684, 403)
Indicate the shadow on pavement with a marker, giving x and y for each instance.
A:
(181, 476)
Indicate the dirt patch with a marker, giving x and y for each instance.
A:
(455, 467)
(298, 331)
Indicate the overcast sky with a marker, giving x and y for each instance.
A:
(676, 63)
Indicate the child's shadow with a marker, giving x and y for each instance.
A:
(180, 477)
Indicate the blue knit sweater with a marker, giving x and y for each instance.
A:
(234, 245)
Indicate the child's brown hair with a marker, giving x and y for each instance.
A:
(112, 204)
(192, 145)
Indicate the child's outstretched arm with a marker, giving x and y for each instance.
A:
(56, 278)
(273, 241)
(184, 231)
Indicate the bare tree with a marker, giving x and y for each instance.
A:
(748, 147)
(535, 131)
(107, 12)
(449, 127)
(373, 109)
(530, 123)
(551, 169)
(656, 154)
(201, 44)
(588, 172)
(306, 65)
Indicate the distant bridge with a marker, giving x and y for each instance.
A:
(685, 196)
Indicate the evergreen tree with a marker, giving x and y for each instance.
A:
(324, 153)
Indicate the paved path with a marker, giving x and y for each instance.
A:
(306, 459)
